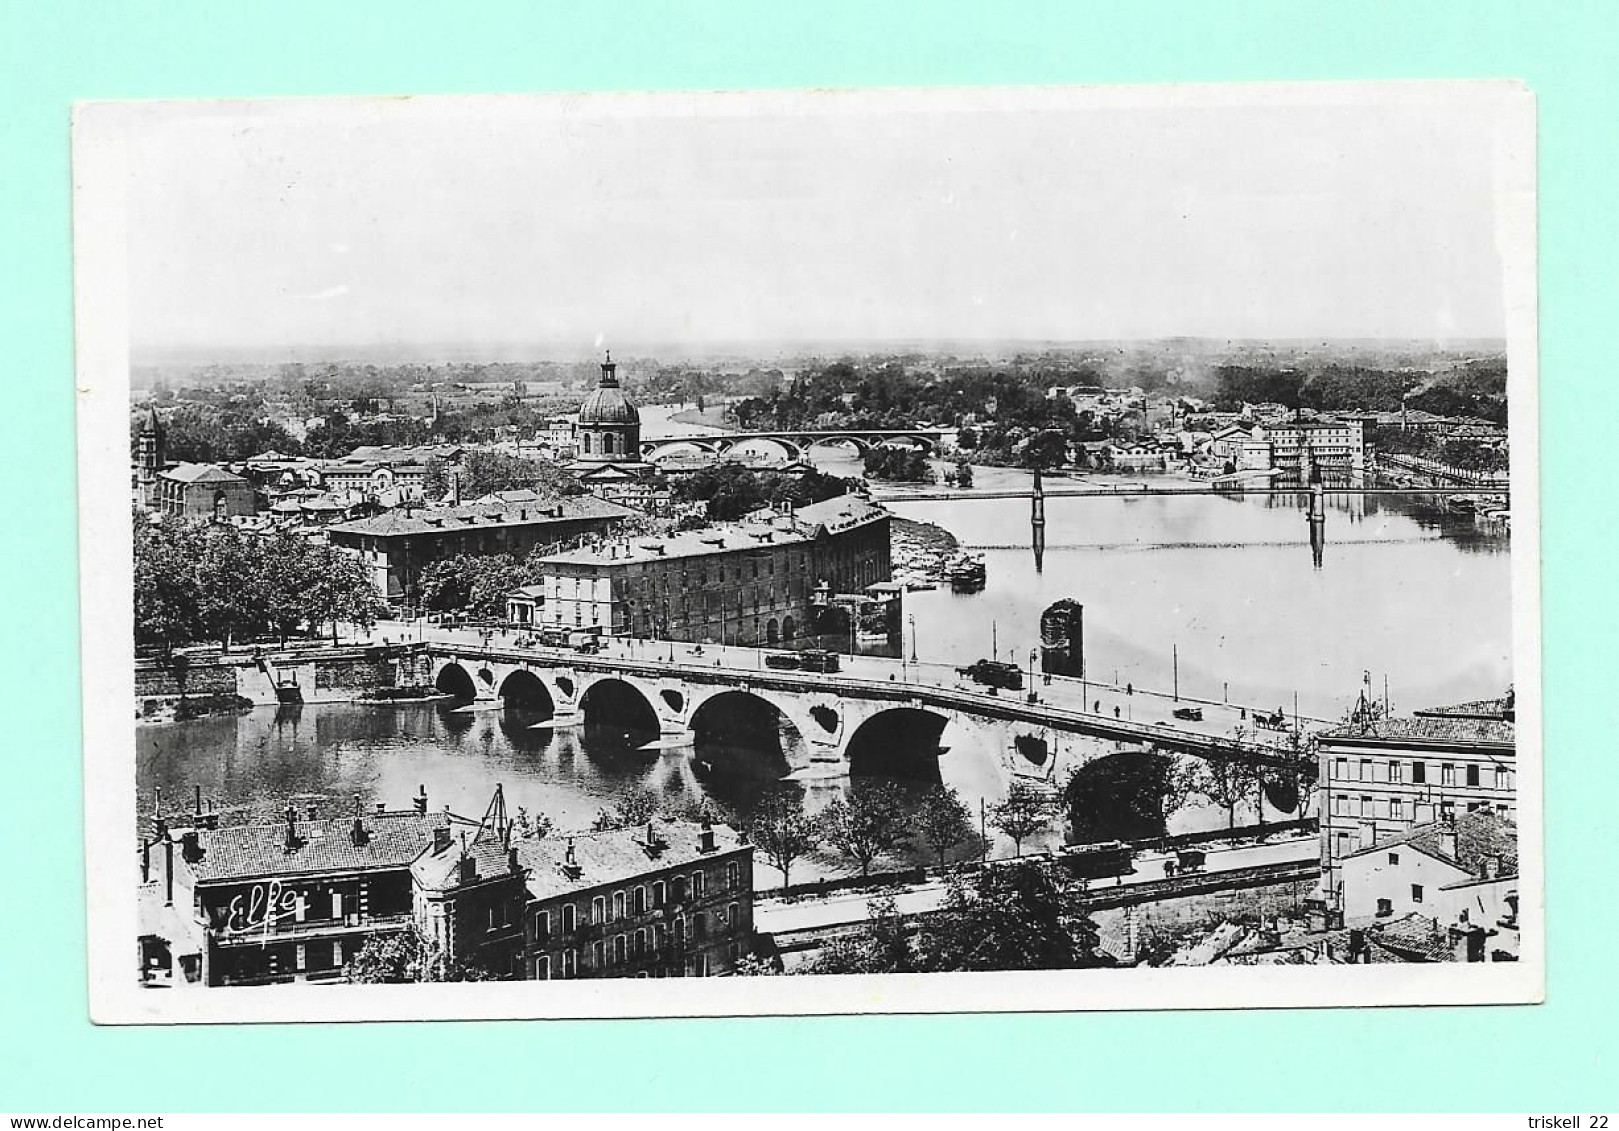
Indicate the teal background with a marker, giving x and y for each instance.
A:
(1550, 1058)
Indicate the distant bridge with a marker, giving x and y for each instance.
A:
(792, 444)
(1133, 490)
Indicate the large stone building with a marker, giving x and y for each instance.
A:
(1382, 777)
(201, 490)
(758, 581)
(397, 545)
(1334, 449)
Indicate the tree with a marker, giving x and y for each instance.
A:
(1025, 812)
(882, 946)
(782, 830)
(408, 956)
(484, 472)
(1045, 449)
(535, 826)
(1021, 916)
(964, 474)
(943, 820)
(868, 823)
(1127, 796)
(1226, 779)
(635, 809)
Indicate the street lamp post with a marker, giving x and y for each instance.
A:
(912, 618)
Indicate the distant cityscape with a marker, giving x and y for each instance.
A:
(763, 668)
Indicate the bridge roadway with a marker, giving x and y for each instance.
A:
(1227, 869)
(1064, 704)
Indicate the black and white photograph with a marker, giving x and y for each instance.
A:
(810, 552)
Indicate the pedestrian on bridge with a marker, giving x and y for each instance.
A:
(1115, 710)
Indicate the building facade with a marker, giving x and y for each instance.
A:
(1381, 777)
(201, 490)
(750, 582)
(287, 902)
(668, 899)
(609, 428)
(396, 546)
(1336, 449)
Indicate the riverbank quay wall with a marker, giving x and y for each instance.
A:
(316, 675)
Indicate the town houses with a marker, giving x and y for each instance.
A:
(296, 899)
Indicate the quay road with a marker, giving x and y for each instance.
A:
(1250, 865)
(1085, 706)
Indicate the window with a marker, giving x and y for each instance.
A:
(1340, 804)
(337, 952)
(570, 963)
(570, 918)
(1385, 907)
(542, 925)
(1395, 774)
(618, 905)
(640, 941)
(733, 917)
(1340, 768)
(700, 923)
(1472, 774)
(1503, 778)
(300, 957)
(657, 893)
(1419, 773)
(1416, 893)
(1447, 773)
(697, 885)
(1394, 858)
(337, 896)
(680, 928)
(1396, 809)
(621, 950)
(1365, 806)
(1343, 845)
(598, 954)
(598, 909)
(542, 968)
(733, 876)
(1366, 773)
(640, 899)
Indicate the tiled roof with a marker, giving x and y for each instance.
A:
(1413, 937)
(615, 857)
(1498, 710)
(201, 473)
(1480, 836)
(440, 871)
(438, 520)
(1431, 728)
(251, 851)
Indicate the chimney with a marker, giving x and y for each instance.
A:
(1447, 837)
(511, 860)
(382, 807)
(196, 804)
(441, 838)
(292, 830)
(146, 860)
(1492, 867)
(705, 837)
(420, 800)
(190, 848)
(314, 812)
(168, 872)
(468, 866)
(568, 858)
(357, 834)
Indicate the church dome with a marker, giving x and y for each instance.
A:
(607, 404)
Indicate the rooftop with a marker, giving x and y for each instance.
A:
(1480, 836)
(761, 528)
(617, 856)
(201, 473)
(432, 520)
(392, 840)
(1436, 728)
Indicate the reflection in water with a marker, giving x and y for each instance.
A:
(1412, 591)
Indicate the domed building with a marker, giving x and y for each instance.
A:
(609, 429)
(607, 447)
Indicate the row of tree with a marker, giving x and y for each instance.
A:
(201, 581)
(730, 490)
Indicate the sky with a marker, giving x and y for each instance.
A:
(571, 223)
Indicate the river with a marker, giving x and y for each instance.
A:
(1404, 591)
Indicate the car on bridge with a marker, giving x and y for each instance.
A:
(1188, 714)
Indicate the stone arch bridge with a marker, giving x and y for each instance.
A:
(791, 445)
(981, 741)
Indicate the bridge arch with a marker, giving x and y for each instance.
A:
(611, 701)
(736, 718)
(453, 679)
(525, 690)
(851, 443)
(898, 742)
